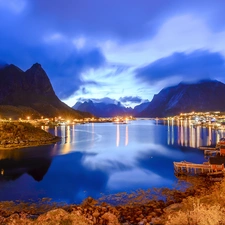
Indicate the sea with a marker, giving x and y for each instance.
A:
(100, 159)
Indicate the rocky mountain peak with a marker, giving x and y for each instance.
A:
(38, 80)
(31, 89)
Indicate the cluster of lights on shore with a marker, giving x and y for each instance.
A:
(61, 120)
(215, 118)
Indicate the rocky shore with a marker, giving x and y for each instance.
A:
(92, 212)
(21, 134)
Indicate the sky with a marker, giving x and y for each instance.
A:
(127, 50)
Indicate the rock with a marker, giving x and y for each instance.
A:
(172, 208)
(157, 220)
(57, 214)
(96, 214)
(3, 142)
(149, 218)
(110, 218)
(60, 216)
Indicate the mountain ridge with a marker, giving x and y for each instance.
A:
(32, 90)
(204, 95)
(103, 109)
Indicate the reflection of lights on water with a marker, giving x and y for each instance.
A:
(73, 132)
(178, 135)
(2, 171)
(56, 131)
(66, 148)
(45, 128)
(172, 141)
(68, 135)
(198, 136)
(126, 140)
(189, 134)
(192, 137)
(185, 134)
(181, 133)
(217, 136)
(93, 132)
(63, 134)
(209, 138)
(168, 132)
(117, 135)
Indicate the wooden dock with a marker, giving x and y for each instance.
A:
(211, 152)
(208, 148)
(188, 168)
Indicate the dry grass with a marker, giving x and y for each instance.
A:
(203, 210)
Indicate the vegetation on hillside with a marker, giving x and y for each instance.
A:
(20, 134)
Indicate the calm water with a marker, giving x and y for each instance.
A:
(101, 158)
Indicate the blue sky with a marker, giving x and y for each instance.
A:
(126, 50)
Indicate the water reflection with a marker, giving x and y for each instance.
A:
(66, 139)
(127, 136)
(117, 135)
(123, 134)
(100, 158)
(15, 163)
(192, 136)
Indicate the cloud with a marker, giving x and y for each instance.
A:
(133, 20)
(14, 6)
(130, 99)
(80, 43)
(105, 100)
(181, 66)
(68, 77)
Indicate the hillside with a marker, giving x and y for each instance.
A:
(30, 92)
(202, 96)
(19, 134)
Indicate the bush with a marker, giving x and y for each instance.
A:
(203, 210)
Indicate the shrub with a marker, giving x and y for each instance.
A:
(200, 215)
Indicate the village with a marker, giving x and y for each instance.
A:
(214, 167)
(215, 119)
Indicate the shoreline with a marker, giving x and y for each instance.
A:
(29, 144)
(94, 212)
(17, 135)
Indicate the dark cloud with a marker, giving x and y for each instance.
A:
(63, 65)
(67, 76)
(130, 99)
(84, 91)
(43, 31)
(197, 65)
(123, 20)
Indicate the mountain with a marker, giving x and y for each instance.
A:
(203, 96)
(139, 108)
(106, 108)
(30, 93)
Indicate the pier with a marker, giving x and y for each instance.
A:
(208, 148)
(188, 168)
(211, 152)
